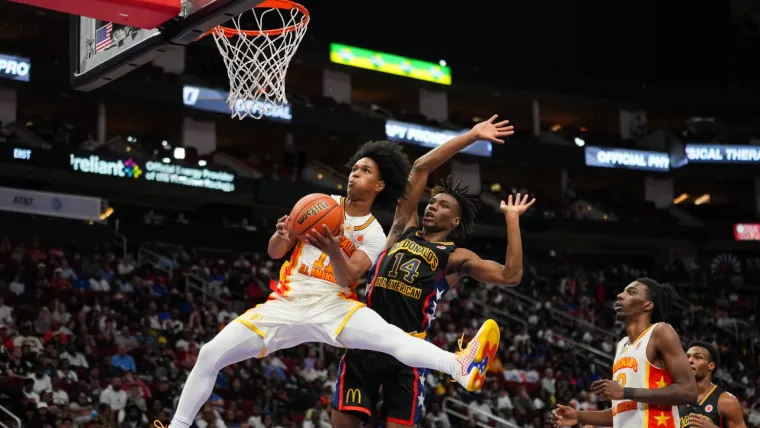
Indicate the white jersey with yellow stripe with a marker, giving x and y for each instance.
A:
(309, 273)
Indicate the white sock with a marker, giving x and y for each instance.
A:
(368, 330)
(233, 344)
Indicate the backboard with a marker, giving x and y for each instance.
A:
(104, 51)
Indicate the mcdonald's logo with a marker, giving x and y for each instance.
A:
(353, 396)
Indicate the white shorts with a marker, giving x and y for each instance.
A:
(285, 322)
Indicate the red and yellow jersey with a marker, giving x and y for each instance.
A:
(309, 273)
(632, 369)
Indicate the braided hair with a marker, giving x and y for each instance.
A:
(465, 201)
(662, 295)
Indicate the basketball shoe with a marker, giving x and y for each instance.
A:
(477, 357)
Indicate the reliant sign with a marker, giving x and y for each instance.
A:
(160, 172)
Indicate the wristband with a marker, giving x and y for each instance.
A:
(628, 393)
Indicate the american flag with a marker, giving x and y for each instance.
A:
(103, 37)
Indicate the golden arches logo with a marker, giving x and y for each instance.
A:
(353, 396)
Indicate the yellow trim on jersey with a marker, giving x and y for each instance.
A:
(343, 206)
(707, 395)
(422, 335)
(419, 233)
(348, 316)
(365, 225)
(251, 326)
(630, 345)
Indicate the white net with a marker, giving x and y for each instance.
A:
(257, 60)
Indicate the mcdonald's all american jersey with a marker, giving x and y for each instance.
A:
(308, 273)
(632, 369)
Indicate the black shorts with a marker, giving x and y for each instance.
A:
(361, 374)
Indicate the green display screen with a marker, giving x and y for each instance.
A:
(389, 63)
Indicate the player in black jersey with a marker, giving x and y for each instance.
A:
(412, 275)
(716, 407)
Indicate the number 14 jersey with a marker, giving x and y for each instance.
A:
(408, 280)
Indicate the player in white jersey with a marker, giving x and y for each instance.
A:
(314, 301)
(651, 373)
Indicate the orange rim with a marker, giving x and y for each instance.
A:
(269, 4)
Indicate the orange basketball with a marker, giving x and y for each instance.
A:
(314, 210)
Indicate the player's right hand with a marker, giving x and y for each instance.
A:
(283, 228)
(565, 416)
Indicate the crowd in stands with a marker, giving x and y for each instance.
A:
(92, 338)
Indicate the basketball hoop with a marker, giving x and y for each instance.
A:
(257, 60)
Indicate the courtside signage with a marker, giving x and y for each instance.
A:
(427, 136)
(627, 159)
(722, 153)
(390, 64)
(216, 101)
(154, 172)
(14, 67)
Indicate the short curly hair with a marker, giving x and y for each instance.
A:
(466, 202)
(394, 167)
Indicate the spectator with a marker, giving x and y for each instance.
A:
(60, 397)
(438, 418)
(17, 287)
(25, 338)
(16, 366)
(75, 358)
(479, 409)
(6, 312)
(209, 418)
(315, 422)
(42, 382)
(131, 417)
(122, 360)
(29, 393)
(114, 396)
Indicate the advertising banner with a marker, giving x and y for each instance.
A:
(214, 100)
(427, 136)
(14, 67)
(390, 64)
(605, 157)
(722, 153)
(50, 204)
(152, 171)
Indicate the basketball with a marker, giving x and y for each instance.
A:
(314, 210)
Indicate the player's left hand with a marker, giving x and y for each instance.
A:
(607, 390)
(493, 132)
(325, 241)
(519, 206)
(699, 421)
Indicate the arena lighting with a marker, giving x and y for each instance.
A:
(704, 199)
(107, 213)
(179, 153)
(556, 127)
(202, 162)
(681, 198)
(166, 160)
(579, 142)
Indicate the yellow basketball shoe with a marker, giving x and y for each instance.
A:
(477, 357)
